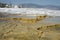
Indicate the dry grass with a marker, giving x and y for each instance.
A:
(28, 20)
(16, 30)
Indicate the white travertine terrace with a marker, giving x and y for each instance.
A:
(33, 11)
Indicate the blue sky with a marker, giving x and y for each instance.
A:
(39, 2)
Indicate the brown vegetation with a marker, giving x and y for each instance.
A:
(38, 18)
(15, 30)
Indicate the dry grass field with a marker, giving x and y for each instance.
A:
(17, 30)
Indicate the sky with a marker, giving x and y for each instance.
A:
(39, 2)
